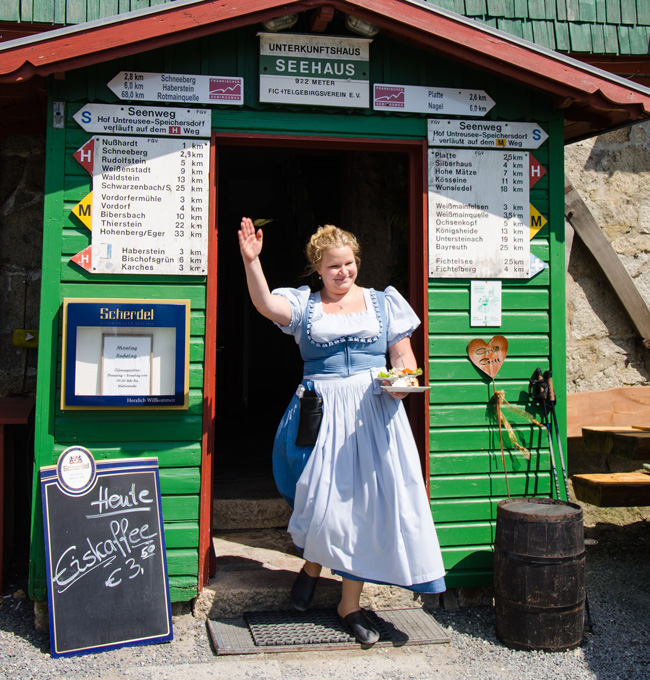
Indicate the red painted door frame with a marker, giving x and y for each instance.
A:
(418, 279)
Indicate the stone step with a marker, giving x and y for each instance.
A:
(256, 568)
(239, 514)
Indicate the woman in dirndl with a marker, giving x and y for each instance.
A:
(359, 502)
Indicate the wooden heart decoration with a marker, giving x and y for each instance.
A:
(488, 356)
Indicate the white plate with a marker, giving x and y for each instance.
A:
(405, 388)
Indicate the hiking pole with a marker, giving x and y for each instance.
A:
(552, 400)
(538, 388)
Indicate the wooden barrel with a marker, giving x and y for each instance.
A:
(539, 574)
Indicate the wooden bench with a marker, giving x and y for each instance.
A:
(612, 422)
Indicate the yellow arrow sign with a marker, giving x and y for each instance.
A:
(537, 220)
(84, 209)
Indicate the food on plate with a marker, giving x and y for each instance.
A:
(401, 377)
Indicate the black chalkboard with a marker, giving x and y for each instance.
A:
(105, 556)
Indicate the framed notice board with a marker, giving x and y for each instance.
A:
(105, 556)
(125, 354)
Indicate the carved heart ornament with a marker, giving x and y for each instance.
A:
(488, 357)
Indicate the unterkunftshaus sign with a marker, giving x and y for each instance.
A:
(143, 119)
(178, 87)
(314, 70)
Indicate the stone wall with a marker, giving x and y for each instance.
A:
(22, 170)
(612, 175)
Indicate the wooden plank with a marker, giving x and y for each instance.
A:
(182, 561)
(512, 299)
(10, 10)
(470, 415)
(600, 247)
(475, 8)
(614, 12)
(480, 486)
(611, 39)
(465, 533)
(170, 454)
(460, 509)
(573, 10)
(463, 369)
(180, 508)
(621, 442)
(615, 408)
(181, 534)
(519, 345)
(643, 12)
(482, 439)
(177, 481)
(614, 490)
(470, 557)
(537, 9)
(628, 13)
(511, 322)
(580, 35)
(453, 392)
(484, 462)
(587, 10)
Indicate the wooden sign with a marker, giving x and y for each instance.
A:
(105, 554)
(488, 356)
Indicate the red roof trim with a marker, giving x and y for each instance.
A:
(425, 27)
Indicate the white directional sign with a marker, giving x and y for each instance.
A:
(479, 214)
(141, 119)
(178, 87)
(150, 202)
(485, 134)
(440, 100)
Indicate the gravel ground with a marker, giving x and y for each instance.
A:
(618, 587)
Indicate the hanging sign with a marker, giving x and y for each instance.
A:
(440, 100)
(485, 134)
(488, 357)
(143, 119)
(314, 70)
(178, 87)
(485, 303)
(478, 214)
(107, 578)
(148, 210)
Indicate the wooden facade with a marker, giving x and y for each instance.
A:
(465, 475)
(456, 428)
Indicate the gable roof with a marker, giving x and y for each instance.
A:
(593, 101)
(614, 27)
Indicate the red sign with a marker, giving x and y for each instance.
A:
(85, 155)
(84, 258)
(537, 171)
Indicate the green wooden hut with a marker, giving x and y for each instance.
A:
(298, 162)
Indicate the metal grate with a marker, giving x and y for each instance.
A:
(319, 629)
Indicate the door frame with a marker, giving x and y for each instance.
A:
(416, 150)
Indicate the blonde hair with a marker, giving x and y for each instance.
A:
(329, 236)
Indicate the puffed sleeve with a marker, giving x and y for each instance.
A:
(298, 298)
(401, 319)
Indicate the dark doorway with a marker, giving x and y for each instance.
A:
(258, 366)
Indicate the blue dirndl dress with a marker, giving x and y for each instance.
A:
(359, 503)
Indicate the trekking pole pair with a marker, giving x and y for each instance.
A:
(540, 387)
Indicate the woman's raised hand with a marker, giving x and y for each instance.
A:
(250, 241)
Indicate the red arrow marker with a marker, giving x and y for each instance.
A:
(537, 171)
(84, 258)
(86, 155)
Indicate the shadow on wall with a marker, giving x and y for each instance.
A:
(22, 169)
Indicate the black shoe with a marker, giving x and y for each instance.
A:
(302, 591)
(362, 628)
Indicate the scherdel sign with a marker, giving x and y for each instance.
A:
(320, 71)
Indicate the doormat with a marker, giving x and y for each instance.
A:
(294, 631)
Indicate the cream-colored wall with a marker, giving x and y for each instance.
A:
(612, 175)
